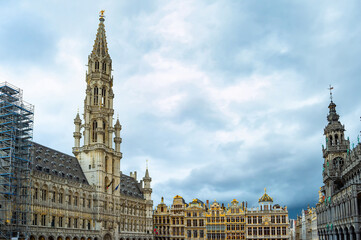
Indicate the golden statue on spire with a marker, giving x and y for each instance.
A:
(101, 13)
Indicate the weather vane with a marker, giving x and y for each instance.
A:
(330, 88)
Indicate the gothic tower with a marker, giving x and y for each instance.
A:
(99, 160)
(335, 153)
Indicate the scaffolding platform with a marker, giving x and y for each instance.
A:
(16, 133)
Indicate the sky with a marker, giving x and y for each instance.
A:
(224, 98)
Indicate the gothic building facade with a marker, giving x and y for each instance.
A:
(338, 209)
(87, 196)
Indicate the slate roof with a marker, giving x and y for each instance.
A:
(129, 186)
(56, 163)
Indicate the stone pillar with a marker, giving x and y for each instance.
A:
(345, 236)
(351, 236)
(356, 206)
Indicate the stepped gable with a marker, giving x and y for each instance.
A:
(56, 163)
(129, 186)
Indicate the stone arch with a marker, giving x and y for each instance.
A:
(32, 237)
(82, 238)
(84, 199)
(51, 238)
(89, 238)
(107, 237)
(352, 232)
(69, 197)
(67, 238)
(41, 237)
(336, 233)
(59, 238)
(75, 238)
(61, 197)
(76, 199)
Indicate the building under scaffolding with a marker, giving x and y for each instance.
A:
(16, 131)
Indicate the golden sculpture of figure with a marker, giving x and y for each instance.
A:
(102, 13)
(319, 196)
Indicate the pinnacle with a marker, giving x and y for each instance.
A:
(100, 47)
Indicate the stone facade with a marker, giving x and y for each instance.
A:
(197, 220)
(306, 225)
(338, 209)
(87, 196)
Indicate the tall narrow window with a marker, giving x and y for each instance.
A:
(35, 219)
(104, 129)
(106, 164)
(103, 96)
(96, 65)
(104, 68)
(113, 166)
(95, 126)
(95, 95)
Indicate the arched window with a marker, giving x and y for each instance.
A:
(95, 95)
(96, 65)
(104, 67)
(95, 126)
(331, 140)
(336, 139)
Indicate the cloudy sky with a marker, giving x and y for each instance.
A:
(224, 98)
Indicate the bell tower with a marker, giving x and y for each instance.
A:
(97, 156)
(335, 153)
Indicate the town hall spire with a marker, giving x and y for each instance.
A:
(100, 47)
(99, 154)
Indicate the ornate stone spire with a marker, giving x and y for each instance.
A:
(333, 117)
(100, 47)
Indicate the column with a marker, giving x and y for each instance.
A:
(356, 206)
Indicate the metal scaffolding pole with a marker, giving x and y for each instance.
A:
(16, 132)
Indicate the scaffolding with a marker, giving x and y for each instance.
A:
(16, 132)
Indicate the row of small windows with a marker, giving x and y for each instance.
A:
(195, 214)
(266, 231)
(59, 173)
(274, 219)
(71, 200)
(53, 221)
(195, 222)
(195, 233)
